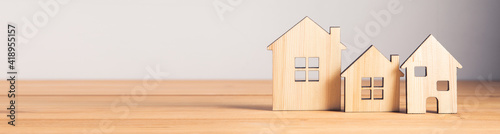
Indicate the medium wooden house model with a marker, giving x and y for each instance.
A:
(372, 83)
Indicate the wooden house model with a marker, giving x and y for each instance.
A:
(306, 68)
(429, 66)
(372, 83)
(307, 74)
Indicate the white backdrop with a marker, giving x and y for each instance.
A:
(221, 39)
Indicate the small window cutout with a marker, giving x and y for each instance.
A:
(314, 62)
(378, 82)
(366, 82)
(300, 76)
(313, 76)
(300, 62)
(378, 94)
(443, 85)
(366, 94)
(420, 71)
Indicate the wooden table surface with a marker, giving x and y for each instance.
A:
(223, 107)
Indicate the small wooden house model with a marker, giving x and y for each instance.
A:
(427, 67)
(306, 68)
(372, 83)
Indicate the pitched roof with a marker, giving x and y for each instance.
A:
(426, 43)
(304, 20)
(369, 49)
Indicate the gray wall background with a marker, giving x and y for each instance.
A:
(120, 39)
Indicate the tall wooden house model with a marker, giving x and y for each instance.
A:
(306, 68)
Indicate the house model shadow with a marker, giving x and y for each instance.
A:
(307, 74)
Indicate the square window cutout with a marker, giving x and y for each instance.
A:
(420, 71)
(313, 76)
(378, 82)
(300, 76)
(300, 62)
(443, 85)
(366, 82)
(378, 94)
(314, 62)
(366, 94)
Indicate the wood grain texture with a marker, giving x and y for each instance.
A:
(440, 66)
(122, 87)
(372, 64)
(176, 108)
(307, 40)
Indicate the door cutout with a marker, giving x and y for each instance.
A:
(431, 105)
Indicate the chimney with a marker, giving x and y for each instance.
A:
(395, 60)
(335, 34)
